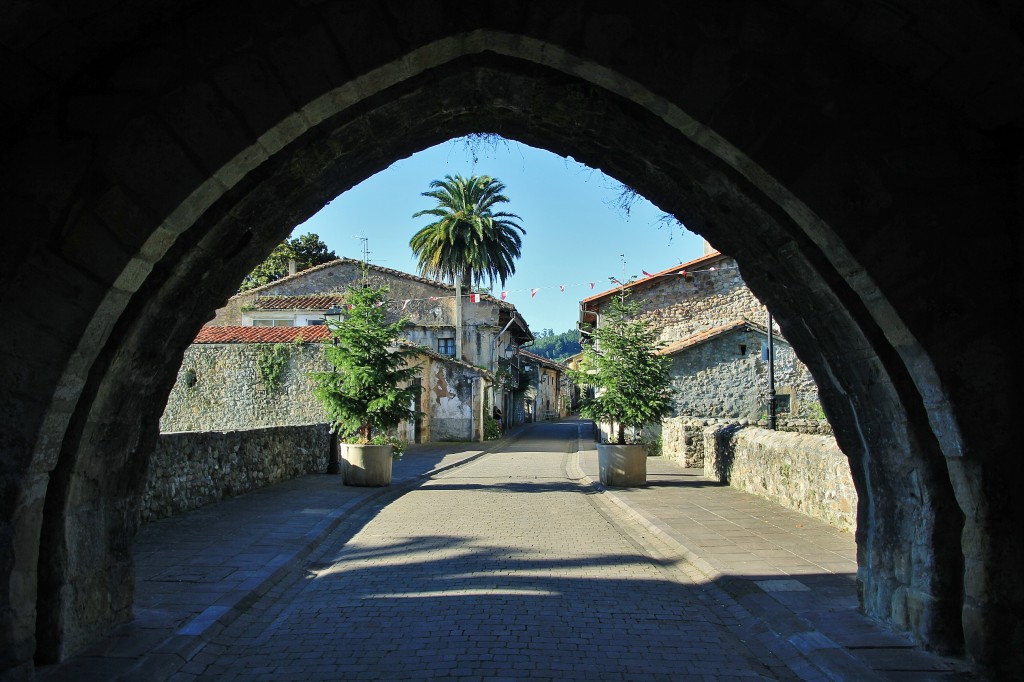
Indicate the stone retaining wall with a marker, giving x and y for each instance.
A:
(191, 469)
(683, 437)
(807, 473)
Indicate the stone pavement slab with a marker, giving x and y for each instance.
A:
(196, 572)
(794, 571)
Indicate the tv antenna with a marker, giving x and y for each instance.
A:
(366, 248)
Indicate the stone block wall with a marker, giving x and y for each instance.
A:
(807, 473)
(727, 378)
(219, 388)
(683, 306)
(682, 440)
(191, 469)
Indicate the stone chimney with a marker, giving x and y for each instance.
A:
(292, 266)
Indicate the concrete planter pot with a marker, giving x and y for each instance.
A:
(622, 465)
(366, 465)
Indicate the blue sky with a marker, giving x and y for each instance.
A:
(575, 231)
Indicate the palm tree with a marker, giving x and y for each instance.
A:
(470, 240)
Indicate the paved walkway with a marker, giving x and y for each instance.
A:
(718, 584)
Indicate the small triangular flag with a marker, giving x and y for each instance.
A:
(405, 304)
(503, 295)
(646, 274)
(561, 287)
(533, 292)
(591, 285)
(433, 298)
(474, 298)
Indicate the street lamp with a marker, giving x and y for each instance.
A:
(333, 314)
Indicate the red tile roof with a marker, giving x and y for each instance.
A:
(311, 334)
(316, 302)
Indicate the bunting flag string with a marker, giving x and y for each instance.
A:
(562, 288)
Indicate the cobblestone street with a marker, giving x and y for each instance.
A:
(503, 567)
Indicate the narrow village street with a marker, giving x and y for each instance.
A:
(499, 560)
(505, 567)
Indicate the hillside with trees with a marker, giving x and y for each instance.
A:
(557, 347)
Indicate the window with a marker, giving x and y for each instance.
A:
(273, 323)
(782, 403)
(743, 349)
(314, 323)
(446, 346)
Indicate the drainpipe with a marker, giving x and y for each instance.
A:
(494, 346)
(458, 318)
(771, 374)
(494, 369)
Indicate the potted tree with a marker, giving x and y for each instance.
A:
(368, 390)
(631, 385)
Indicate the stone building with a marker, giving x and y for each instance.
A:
(722, 373)
(549, 385)
(715, 330)
(301, 299)
(220, 386)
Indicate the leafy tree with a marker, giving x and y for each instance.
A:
(470, 240)
(306, 250)
(361, 393)
(632, 381)
(557, 346)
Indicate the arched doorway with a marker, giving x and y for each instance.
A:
(171, 171)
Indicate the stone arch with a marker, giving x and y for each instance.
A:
(265, 120)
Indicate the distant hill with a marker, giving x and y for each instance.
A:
(557, 346)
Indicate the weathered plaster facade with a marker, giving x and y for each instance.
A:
(548, 383)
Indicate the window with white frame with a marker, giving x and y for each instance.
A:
(276, 322)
